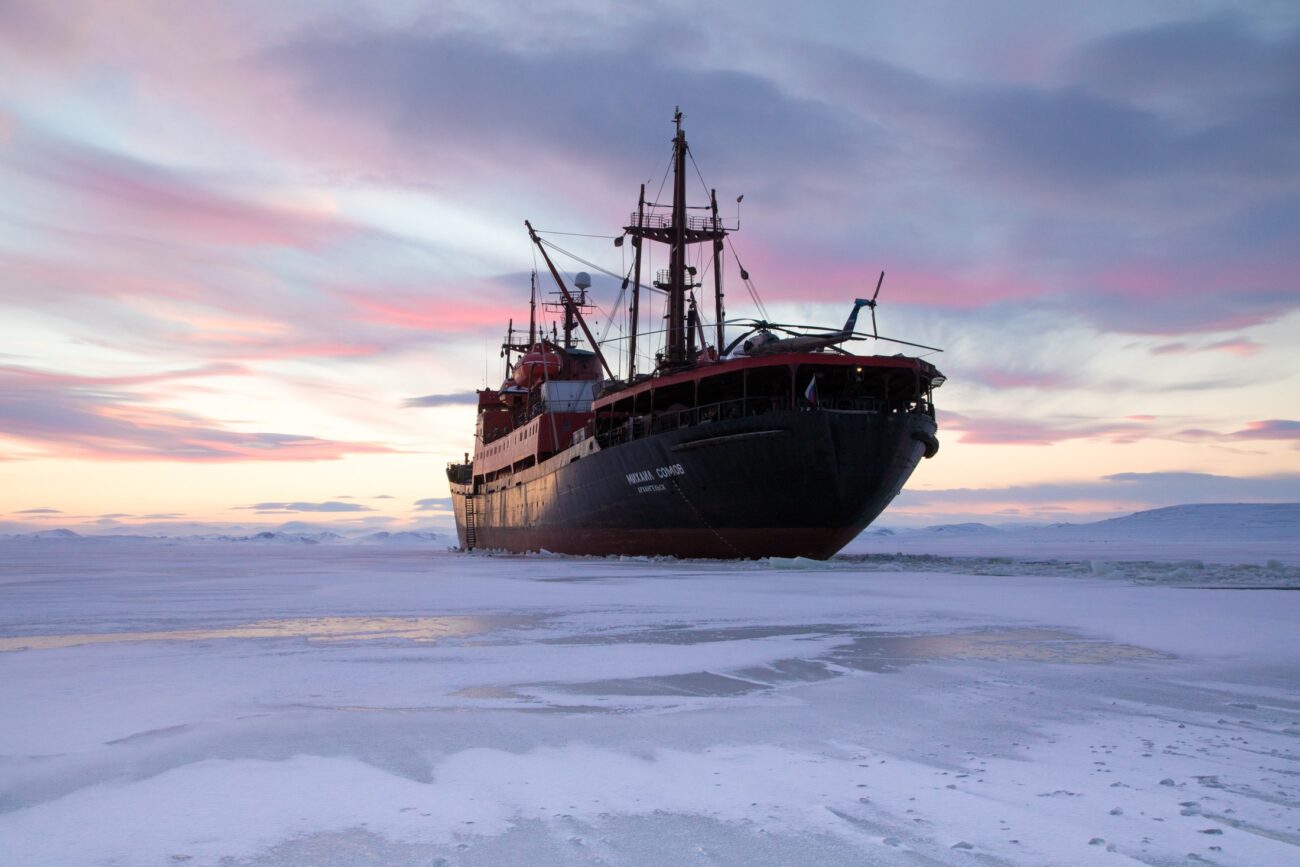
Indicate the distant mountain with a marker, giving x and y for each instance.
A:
(402, 537)
(1197, 520)
(1205, 522)
(1202, 520)
(967, 529)
(60, 533)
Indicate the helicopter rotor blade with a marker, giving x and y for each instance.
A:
(856, 336)
(789, 331)
(875, 332)
(879, 283)
(806, 327)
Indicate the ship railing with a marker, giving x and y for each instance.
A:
(641, 426)
(665, 221)
(851, 404)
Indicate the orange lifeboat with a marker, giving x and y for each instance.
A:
(537, 365)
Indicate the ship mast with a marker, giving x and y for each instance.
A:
(532, 312)
(678, 233)
(676, 349)
(717, 275)
(636, 289)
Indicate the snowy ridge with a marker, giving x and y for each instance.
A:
(1217, 533)
(1218, 520)
(1221, 520)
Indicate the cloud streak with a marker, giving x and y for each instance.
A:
(133, 195)
(78, 416)
(456, 398)
(328, 506)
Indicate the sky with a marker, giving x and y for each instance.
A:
(255, 258)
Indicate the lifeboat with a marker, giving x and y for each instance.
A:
(537, 365)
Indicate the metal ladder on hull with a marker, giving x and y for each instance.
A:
(471, 538)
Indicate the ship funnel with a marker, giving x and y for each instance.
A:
(582, 280)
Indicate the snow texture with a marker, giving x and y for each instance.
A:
(385, 701)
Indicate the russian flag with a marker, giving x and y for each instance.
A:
(810, 393)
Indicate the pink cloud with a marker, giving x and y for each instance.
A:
(85, 417)
(1239, 346)
(816, 275)
(29, 378)
(1015, 431)
(148, 302)
(426, 313)
(1196, 434)
(1027, 432)
(1177, 348)
(1269, 429)
(129, 194)
(1185, 297)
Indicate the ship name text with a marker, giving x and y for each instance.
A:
(666, 472)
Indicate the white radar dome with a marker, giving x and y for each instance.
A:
(582, 280)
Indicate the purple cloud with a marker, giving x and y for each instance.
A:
(137, 196)
(78, 416)
(1269, 429)
(458, 398)
(992, 430)
(516, 103)
(329, 506)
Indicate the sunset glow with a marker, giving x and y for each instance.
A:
(255, 259)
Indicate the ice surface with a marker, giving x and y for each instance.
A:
(228, 702)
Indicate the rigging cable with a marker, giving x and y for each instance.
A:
(698, 173)
(749, 284)
(592, 265)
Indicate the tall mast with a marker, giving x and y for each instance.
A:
(509, 345)
(678, 234)
(717, 275)
(636, 287)
(532, 313)
(677, 267)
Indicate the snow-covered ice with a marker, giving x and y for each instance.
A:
(215, 702)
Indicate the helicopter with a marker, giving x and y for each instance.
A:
(760, 339)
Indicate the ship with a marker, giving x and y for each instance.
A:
(778, 443)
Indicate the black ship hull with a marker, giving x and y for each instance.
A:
(781, 484)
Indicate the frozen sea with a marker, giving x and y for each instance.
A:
(1126, 700)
